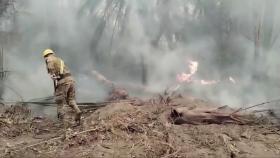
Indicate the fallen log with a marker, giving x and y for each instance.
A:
(103, 79)
(221, 115)
(117, 94)
(115, 85)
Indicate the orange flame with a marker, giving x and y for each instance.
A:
(232, 80)
(184, 77)
(211, 82)
(193, 67)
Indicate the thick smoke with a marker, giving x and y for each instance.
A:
(147, 43)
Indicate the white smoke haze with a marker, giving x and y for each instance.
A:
(115, 37)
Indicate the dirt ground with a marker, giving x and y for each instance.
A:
(137, 129)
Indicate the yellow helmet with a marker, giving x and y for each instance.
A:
(47, 52)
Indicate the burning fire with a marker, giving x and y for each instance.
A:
(211, 82)
(188, 77)
(232, 80)
(184, 77)
(193, 65)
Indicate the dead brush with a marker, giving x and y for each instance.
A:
(17, 114)
(15, 120)
(166, 98)
(132, 122)
(205, 138)
(144, 129)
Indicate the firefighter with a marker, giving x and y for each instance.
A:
(64, 86)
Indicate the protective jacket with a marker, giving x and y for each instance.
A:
(58, 70)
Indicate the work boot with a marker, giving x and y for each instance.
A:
(78, 118)
(59, 116)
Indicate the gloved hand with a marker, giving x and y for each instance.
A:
(54, 77)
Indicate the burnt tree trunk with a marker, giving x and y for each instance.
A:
(2, 73)
(144, 70)
(98, 33)
(257, 67)
(4, 4)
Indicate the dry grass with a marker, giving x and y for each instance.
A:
(124, 130)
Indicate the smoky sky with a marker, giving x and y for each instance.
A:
(128, 39)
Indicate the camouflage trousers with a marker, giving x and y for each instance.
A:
(66, 103)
